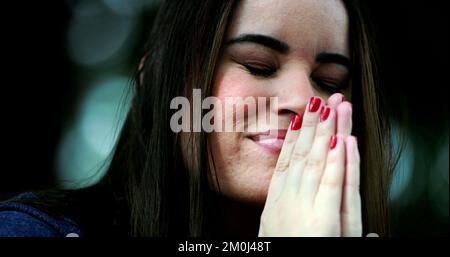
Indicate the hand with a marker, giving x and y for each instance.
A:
(314, 189)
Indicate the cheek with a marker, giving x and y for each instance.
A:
(239, 169)
(240, 172)
(234, 82)
(234, 86)
(225, 149)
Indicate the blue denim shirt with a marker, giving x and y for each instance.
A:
(21, 220)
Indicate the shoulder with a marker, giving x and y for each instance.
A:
(22, 220)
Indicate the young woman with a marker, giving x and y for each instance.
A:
(315, 57)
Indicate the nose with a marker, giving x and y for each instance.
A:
(294, 92)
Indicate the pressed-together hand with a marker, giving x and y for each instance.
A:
(314, 189)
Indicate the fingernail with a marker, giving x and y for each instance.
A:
(297, 122)
(314, 104)
(343, 99)
(333, 142)
(324, 113)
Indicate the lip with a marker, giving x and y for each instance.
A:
(270, 140)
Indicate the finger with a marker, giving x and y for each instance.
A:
(335, 99)
(312, 173)
(304, 142)
(289, 144)
(344, 119)
(329, 195)
(351, 217)
(278, 177)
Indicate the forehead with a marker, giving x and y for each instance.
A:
(307, 26)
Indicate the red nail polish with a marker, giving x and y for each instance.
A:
(314, 104)
(333, 142)
(324, 113)
(297, 122)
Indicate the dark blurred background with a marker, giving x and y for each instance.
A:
(66, 66)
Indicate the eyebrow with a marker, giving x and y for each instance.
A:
(334, 58)
(264, 40)
(283, 48)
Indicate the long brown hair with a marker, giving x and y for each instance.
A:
(147, 165)
(147, 177)
(371, 126)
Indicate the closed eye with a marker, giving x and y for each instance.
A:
(259, 71)
(329, 86)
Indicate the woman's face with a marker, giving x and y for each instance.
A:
(290, 49)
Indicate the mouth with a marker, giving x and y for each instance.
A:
(271, 140)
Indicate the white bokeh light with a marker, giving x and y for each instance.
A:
(86, 145)
(97, 34)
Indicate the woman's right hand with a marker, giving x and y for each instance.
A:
(314, 189)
